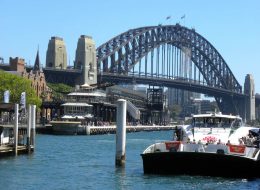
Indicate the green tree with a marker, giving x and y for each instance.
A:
(16, 85)
(175, 111)
(59, 91)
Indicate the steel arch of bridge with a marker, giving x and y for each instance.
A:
(121, 53)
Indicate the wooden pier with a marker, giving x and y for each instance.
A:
(16, 138)
(129, 129)
(99, 130)
(8, 150)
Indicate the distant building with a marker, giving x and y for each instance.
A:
(17, 64)
(180, 97)
(56, 56)
(206, 106)
(37, 77)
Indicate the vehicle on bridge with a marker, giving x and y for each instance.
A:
(213, 145)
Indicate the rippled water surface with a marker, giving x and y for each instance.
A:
(87, 162)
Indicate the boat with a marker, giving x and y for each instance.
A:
(213, 144)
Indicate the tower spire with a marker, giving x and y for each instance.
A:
(37, 66)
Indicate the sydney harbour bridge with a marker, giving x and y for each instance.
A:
(170, 56)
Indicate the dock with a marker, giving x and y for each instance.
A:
(8, 150)
(129, 129)
(99, 130)
(18, 138)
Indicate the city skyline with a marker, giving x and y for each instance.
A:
(231, 27)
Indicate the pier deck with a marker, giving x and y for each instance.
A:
(112, 129)
(8, 150)
(99, 130)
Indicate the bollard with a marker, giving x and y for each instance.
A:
(33, 121)
(28, 142)
(87, 130)
(16, 109)
(120, 133)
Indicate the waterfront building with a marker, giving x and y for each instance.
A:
(84, 106)
(180, 97)
(56, 56)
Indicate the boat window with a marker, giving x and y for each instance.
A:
(199, 122)
(236, 123)
(215, 122)
(225, 122)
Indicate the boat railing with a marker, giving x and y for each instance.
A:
(251, 152)
(193, 148)
(213, 148)
(157, 147)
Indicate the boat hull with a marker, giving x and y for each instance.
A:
(195, 163)
(67, 128)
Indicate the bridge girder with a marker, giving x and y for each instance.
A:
(228, 102)
(128, 48)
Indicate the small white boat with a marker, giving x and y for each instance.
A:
(213, 145)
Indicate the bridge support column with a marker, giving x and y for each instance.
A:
(249, 89)
(232, 105)
(86, 58)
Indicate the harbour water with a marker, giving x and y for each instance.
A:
(88, 162)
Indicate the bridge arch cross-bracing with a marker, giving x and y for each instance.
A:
(171, 56)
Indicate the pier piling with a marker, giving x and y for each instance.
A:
(120, 133)
(28, 142)
(88, 130)
(33, 122)
(16, 109)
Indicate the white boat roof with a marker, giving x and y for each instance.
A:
(80, 104)
(97, 94)
(219, 115)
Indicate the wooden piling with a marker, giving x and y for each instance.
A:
(120, 133)
(16, 109)
(87, 130)
(28, 142)
(33, 123)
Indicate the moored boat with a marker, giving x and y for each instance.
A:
(213, 145)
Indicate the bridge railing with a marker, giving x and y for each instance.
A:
(133, 110)
(159, 76)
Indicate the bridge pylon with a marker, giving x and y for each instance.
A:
(249, 90)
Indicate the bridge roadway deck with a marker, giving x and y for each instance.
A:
(174, 83)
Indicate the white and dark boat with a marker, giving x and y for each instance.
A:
(213, 145)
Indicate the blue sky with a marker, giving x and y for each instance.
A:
(232, 26)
